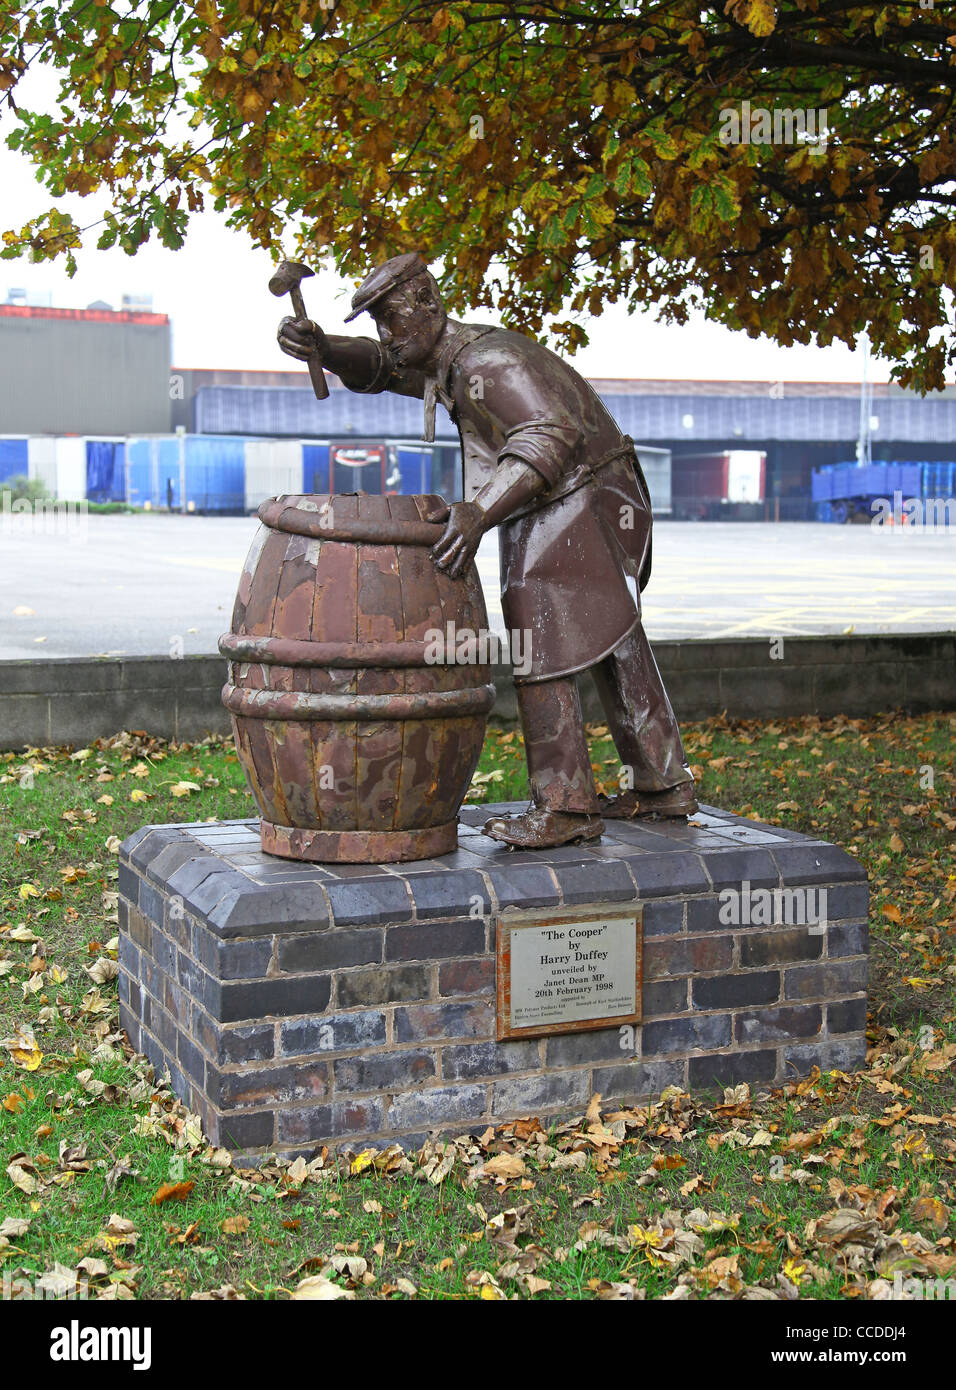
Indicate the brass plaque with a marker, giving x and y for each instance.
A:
(568, 972)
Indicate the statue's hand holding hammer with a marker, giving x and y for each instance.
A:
(302, 339)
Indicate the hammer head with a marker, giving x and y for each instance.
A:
(287, 276)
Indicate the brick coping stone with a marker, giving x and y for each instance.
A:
(297, 1004)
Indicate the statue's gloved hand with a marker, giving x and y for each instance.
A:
(463, 532)
(302, 339)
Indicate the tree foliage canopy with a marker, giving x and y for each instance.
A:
(557, 157)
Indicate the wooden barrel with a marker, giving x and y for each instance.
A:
(357, 732)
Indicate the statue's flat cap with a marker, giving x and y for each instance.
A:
(384, 278)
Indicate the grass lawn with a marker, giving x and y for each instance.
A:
(826, 1188)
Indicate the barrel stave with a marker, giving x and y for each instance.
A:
(396, 783)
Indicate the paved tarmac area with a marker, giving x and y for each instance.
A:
(155, 584)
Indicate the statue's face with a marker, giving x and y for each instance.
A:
(410, 320)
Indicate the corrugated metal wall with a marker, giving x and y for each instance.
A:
(74, 376)
(284, 411)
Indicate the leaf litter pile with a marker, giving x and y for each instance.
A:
(831, 1186)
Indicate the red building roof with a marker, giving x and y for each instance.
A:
(27, 311)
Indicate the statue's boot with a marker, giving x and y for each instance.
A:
(633, 805)
(539, 828)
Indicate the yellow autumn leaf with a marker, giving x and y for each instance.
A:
(184, 788)
(28, 890)
(361, 1161)
(23, 1051)
(759, 16)
(138, 795)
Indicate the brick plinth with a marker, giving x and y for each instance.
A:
(293, 1004)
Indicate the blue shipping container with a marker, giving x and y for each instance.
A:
(105, 470)
(315, 467)
(214, 469)
(408, 468)
(154, 471)
(215, 474)
(14, 459)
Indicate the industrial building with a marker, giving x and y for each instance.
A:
(799, 426)
(83, 371)
(104, 377)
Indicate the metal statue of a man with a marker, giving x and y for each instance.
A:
(545, 462)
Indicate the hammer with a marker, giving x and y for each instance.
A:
(286, 280)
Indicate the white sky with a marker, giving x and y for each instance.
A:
(215, 292)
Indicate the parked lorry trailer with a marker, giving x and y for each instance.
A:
(846, 492)
(726, 486)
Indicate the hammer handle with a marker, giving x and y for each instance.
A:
(319, 384)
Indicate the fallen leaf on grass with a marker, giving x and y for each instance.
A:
(236, 1225)
(487, 1285)
(668, 1163)
(12, 1227)
(184, 788)
(73, 1157)
(190, 1236)
(58, 1282)
(505, 1167)
(932, 1211)
(612, 1292)
(531, 1284)
(172, 1192)
(317, 1288)
(23, 1050)
(843, 1226)
(102, 970)
(117, 1233)
(22, 933)
(939, 1061)
(577, 1159)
